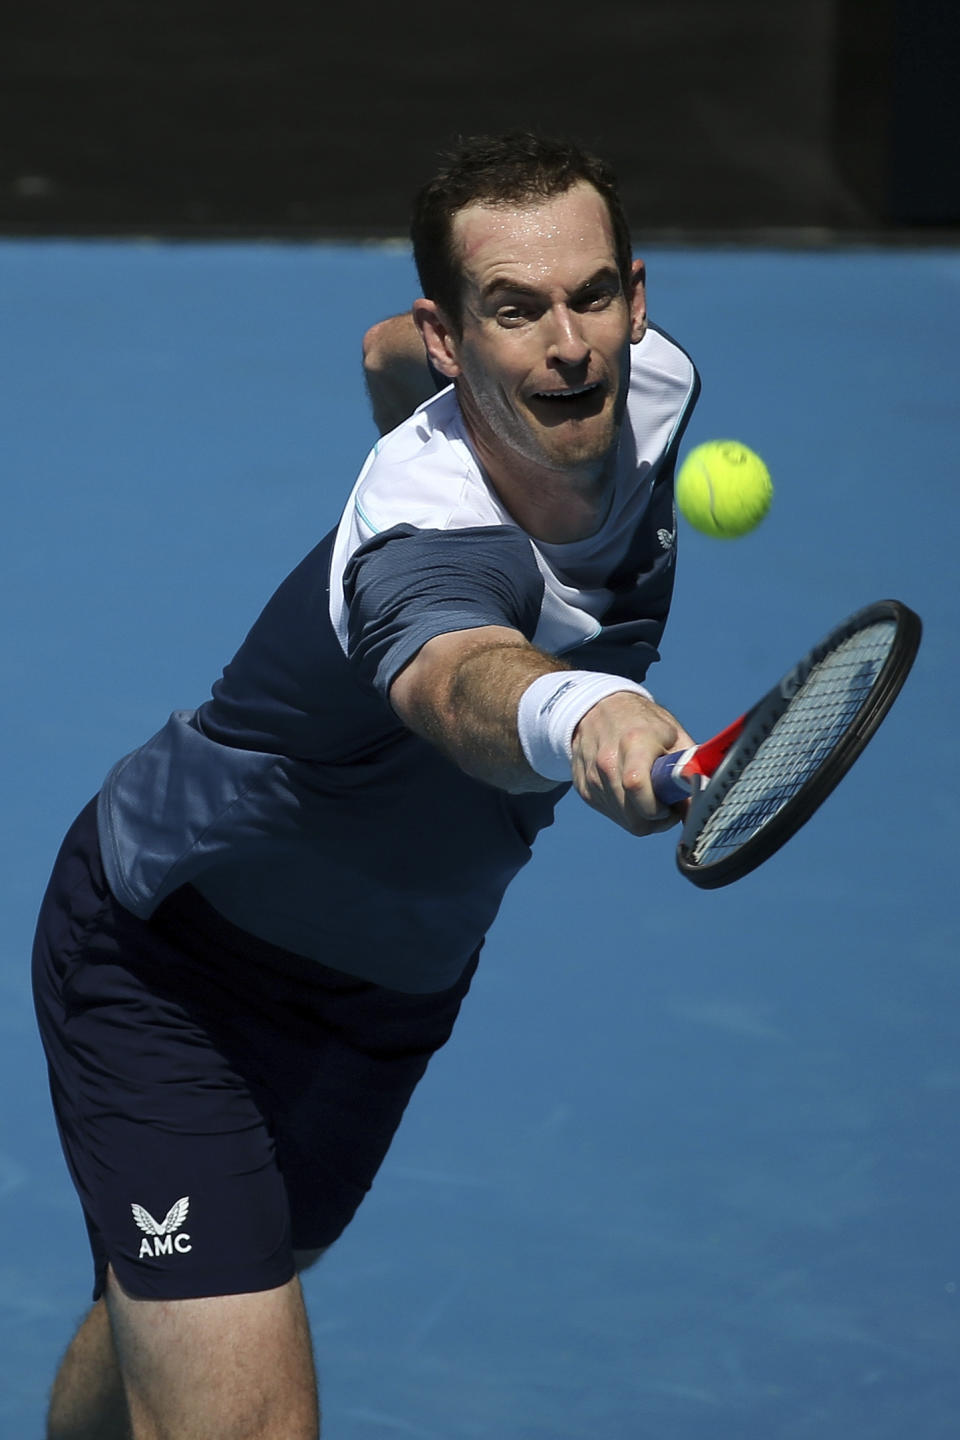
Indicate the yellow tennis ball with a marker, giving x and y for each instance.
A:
(723, 489)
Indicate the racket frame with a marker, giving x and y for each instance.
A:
(759, 722)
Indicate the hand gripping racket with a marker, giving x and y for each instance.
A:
(758, 781)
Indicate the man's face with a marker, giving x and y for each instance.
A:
(542, 360)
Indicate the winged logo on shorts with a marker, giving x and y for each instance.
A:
(173, 1219)
(162, 1231)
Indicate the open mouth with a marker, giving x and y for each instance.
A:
(570, 402)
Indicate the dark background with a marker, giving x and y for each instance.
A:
(821, 118)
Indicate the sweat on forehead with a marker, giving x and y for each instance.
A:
(536, 233)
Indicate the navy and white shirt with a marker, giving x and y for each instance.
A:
(296, 801)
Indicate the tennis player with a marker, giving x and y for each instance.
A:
(264, 925)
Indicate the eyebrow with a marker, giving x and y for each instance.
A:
(502, 284)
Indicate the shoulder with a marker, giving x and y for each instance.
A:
(661, 369)
(422, 486)
(425, 474)
(664, 386)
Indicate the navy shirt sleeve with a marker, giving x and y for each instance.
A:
(406, 586)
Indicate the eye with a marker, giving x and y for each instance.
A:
(597, 299)
(511, 316)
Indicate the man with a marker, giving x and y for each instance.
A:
(259, 933)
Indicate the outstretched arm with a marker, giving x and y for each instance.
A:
(462, 692)
(395, 368)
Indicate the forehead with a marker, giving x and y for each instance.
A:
(561, 241)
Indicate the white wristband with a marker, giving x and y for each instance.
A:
(552, 707)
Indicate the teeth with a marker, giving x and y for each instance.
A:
(565, 394)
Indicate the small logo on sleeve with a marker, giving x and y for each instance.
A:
(160, 1236)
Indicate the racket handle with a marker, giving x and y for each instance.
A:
(670, 785)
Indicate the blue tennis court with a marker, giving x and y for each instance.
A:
(689, 1166)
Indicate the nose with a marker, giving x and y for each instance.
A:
(567, 343)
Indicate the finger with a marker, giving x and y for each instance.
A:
(643, 810)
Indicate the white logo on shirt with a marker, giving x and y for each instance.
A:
(667, 538)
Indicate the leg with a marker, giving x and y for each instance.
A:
(218, 1155)
(232, 1367)
(87, 1401)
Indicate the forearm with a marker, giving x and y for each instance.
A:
(462, 694)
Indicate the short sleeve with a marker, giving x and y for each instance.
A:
(406, 586)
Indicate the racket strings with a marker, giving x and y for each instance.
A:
(800, 741)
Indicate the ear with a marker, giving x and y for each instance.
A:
(438, 336)
(638, 301)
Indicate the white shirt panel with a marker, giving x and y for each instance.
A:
(426, 474)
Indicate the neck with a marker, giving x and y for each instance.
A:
(553, 505)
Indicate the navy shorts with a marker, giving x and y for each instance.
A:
(221, 1103)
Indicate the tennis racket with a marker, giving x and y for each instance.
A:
(760, 779)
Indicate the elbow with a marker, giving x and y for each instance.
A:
(376, 348)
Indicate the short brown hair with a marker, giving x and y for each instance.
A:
(517, 168)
